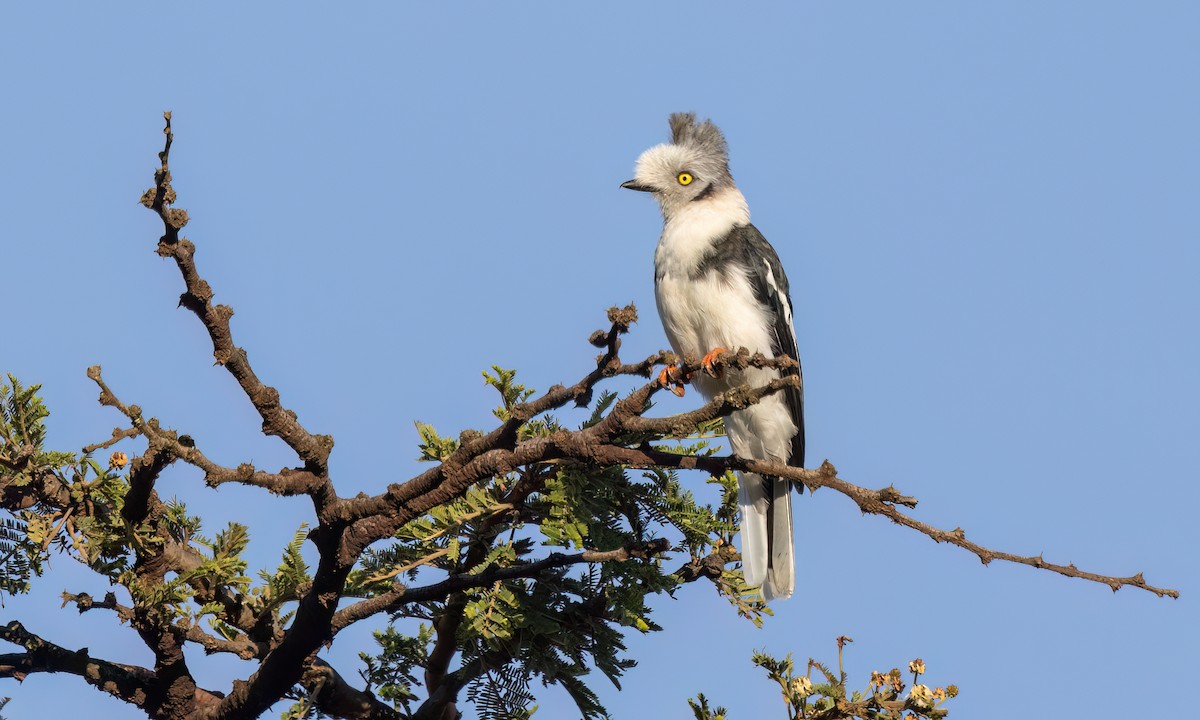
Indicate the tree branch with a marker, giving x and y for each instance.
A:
(875, 502)
(85, 602)
(143, 473)
(401, 595)
(333, 696)
(44, 487)
(277, 420)
(241, 646)
(130, 683)
(289, 481)
(117, 436)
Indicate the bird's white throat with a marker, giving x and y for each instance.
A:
(690, 230)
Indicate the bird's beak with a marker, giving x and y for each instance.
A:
(635, 185)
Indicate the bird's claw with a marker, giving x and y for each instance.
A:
(666, 379)
(711, 358)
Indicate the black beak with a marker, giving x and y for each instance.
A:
(633, 185)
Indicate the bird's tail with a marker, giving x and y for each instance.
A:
(767, 545)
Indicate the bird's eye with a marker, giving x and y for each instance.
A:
(684, 178)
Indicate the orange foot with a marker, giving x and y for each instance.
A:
(665, 380)
(709, 359)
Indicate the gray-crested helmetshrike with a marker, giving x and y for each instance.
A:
(719, 284)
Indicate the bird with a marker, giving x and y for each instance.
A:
(719, 284)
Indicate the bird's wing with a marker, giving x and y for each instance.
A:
(771, 290)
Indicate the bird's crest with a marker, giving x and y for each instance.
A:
(704, 137)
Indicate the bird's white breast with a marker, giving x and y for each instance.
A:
(714, 309)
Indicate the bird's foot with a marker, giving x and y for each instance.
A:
(668, 379)
(709, 359)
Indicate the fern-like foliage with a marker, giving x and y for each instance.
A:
(502, 694)
(702, 711)
(392, 672)
(565, 623)
(15, 568)
(23, 434)
(511, 392)
(282, 585)
(25, 536)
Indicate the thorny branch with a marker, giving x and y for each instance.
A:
(277, 419)
(346, 527)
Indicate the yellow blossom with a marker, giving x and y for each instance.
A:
(939, 693)
(917, 666)
(118, 460)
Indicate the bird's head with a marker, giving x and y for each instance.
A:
(692, 167)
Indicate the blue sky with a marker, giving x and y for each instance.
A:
(988, 214)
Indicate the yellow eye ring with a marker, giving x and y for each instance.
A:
(684, 178)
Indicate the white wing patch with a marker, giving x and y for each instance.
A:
(783, 299)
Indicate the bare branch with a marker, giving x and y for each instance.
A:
(117, 436)
(134, 685)
(289, 481)
(277, 420)
(240, 646)
(875, 502)
(85, 602)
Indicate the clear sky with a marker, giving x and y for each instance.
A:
(988, 213)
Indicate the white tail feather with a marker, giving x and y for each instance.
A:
(752, 500)
(767, 552)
